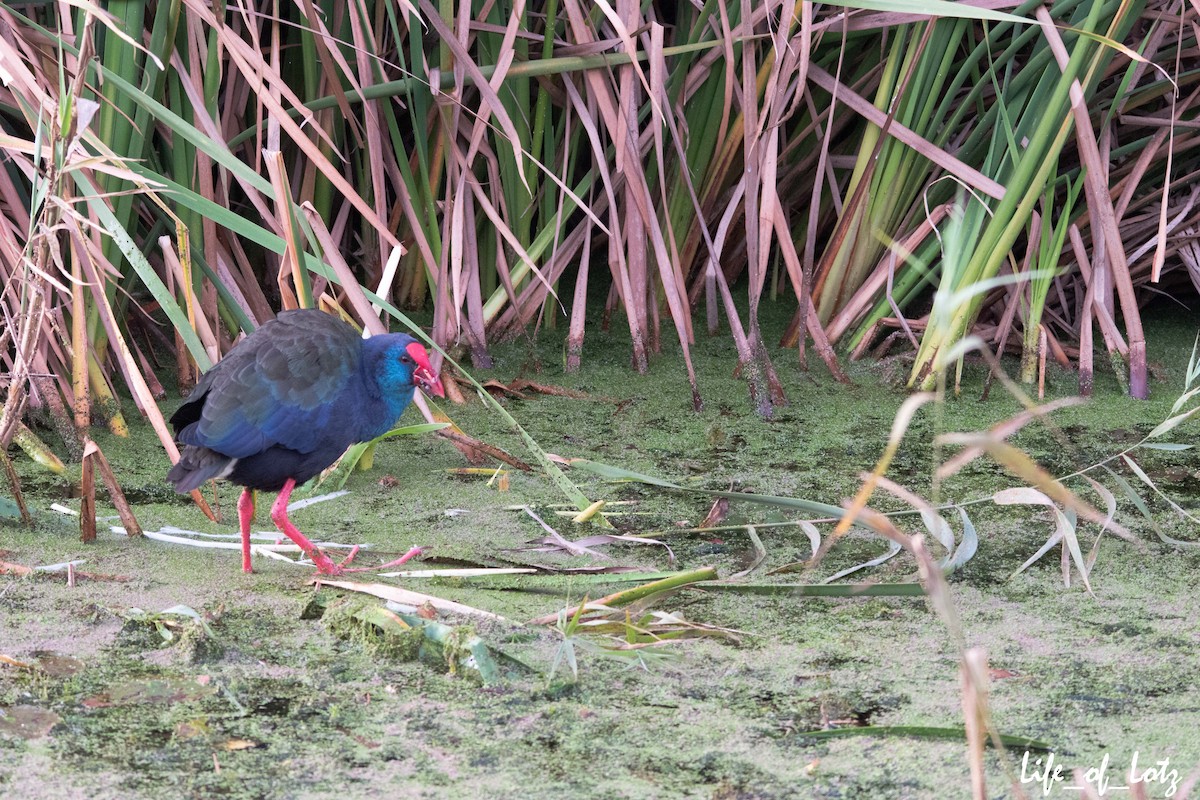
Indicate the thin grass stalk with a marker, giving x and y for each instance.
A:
(1050, 238)
(1029, 178)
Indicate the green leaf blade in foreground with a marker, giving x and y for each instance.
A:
(469, 654)
(817, 589)
(621, 474)
(354, 453)
(924, 732)
(412, 430)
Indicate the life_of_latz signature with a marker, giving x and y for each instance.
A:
(1051, 773)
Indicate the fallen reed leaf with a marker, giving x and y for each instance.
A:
(408, 598)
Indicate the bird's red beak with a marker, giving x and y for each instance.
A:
(423, 375)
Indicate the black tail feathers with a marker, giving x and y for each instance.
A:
(197, 465)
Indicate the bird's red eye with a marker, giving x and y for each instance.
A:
(406, 359)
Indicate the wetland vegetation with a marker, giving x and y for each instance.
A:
(741, 273)
(266, 700)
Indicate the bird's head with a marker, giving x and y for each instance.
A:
(423, 375)
(402, 364)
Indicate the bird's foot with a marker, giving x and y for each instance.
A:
(350, 557)
(325, 566)
(412, 553)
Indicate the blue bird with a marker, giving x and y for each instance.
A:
(286, 402)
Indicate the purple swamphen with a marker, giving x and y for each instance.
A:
(286, 402)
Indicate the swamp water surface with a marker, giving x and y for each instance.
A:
(265, 699)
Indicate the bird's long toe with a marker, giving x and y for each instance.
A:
(350, 557)
(412, 553)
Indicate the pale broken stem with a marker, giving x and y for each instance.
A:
(124, 509)
(409, 598)
(1104, 221)
(973, 677)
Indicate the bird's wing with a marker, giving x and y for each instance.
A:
(285, 386)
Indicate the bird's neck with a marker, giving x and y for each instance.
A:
(389, 387)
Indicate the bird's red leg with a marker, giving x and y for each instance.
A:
(324, 565)
(280, 516)
(245, 515)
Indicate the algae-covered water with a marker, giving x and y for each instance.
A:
(265, 700)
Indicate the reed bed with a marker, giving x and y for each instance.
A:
(894, 172)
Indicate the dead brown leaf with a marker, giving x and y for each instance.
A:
(234, 745)
(717, 514)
